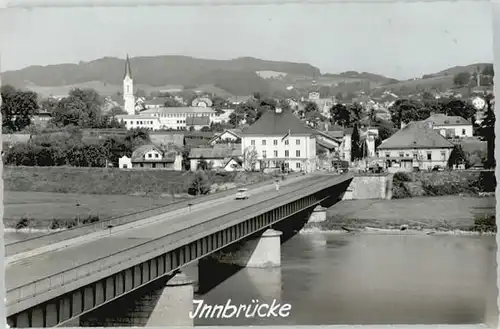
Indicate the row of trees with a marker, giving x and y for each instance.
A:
(82, 108)
(69, 148)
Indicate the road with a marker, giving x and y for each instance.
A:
(30, 269)
(51, 242)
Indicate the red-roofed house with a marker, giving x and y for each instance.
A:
(279, 140)
(417, 145)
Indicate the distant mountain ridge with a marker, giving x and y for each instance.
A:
(238, 77)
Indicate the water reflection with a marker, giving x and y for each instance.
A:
(371, 279)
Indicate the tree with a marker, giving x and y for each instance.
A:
(340, 115)
(487, 132)
(116, 111)
(488, 70)
(462, 79)
(249, 158)
(200, 184)
(136, 137)
(457, 157)
(406, 110)
(172, 102)
(202, 164)
(81, 108)
(357, 112)
(356, 150)
(457, 107)
(310, 107)
(18, 107)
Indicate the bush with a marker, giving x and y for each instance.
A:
(90, 219)
(200, 184)
(485, 223)
(56, 224)
(23, 223)
(401, 177)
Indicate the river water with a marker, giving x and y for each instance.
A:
(370, 279)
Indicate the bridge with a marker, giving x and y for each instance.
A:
(53, 283)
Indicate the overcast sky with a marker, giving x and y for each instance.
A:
(397, 40)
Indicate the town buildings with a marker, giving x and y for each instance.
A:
(451, 126)
(151, 157)
(417, 146)
(279, 140)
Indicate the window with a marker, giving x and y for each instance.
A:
(263, 142)
(150, 155)
(286, 142)
(297, 141)
(264, 154)
(463, 132)
(156, 155)
(297, 154)
(415, 155)
(297, 165)
(252, 142)
(287, 154)
(429, 155)
(275, 154)
(142, 165)
(275, 142)
(153, 165)
(387, 154)
(443, 155)
(401, 154)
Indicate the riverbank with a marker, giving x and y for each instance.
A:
(419, 214)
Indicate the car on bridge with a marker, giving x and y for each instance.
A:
(242, 194)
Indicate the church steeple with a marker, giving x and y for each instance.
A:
(128, 71)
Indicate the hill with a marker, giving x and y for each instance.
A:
(240, 77)
(237, 76)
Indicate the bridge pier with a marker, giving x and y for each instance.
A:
(260, 252)
(174, 304)
(318, 215)
(167, 302)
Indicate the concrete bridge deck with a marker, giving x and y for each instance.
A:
(37, 279)
(27, 245)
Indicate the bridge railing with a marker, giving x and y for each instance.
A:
(27, 244)
(137, 253)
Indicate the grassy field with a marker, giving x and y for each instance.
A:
(447, 212)
(41, 208)
(112, 181)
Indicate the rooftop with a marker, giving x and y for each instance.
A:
(139, 153)
(416, 135)
(178, 110)
(215, 153)
(273, 123)
(440, 119)
(198, 121)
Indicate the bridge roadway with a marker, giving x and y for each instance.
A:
(34, 280)
(21, 249)
(32, 247)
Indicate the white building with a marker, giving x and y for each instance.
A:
(227, 136)
(128, 89)
(451, 126)
(175, 117)
(279, 140)
(140, 121)
(417, 145)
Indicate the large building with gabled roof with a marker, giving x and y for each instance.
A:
(417, 145)
(279, 140)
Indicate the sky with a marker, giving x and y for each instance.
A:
(397, 40)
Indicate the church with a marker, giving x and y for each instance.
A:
(177, 118)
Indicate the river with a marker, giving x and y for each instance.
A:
(370, 279)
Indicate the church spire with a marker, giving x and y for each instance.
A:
(128, 71)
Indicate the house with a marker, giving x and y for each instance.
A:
(201, 102)
(196, 123)
(41, 118)
(234, 164)
(451, 126)
(227, 136)
(222, 116)
(417, 146)
(152, 157)
(139, 121)
(175, 117)
(216, 157)
(335, 141)
(279, 140)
